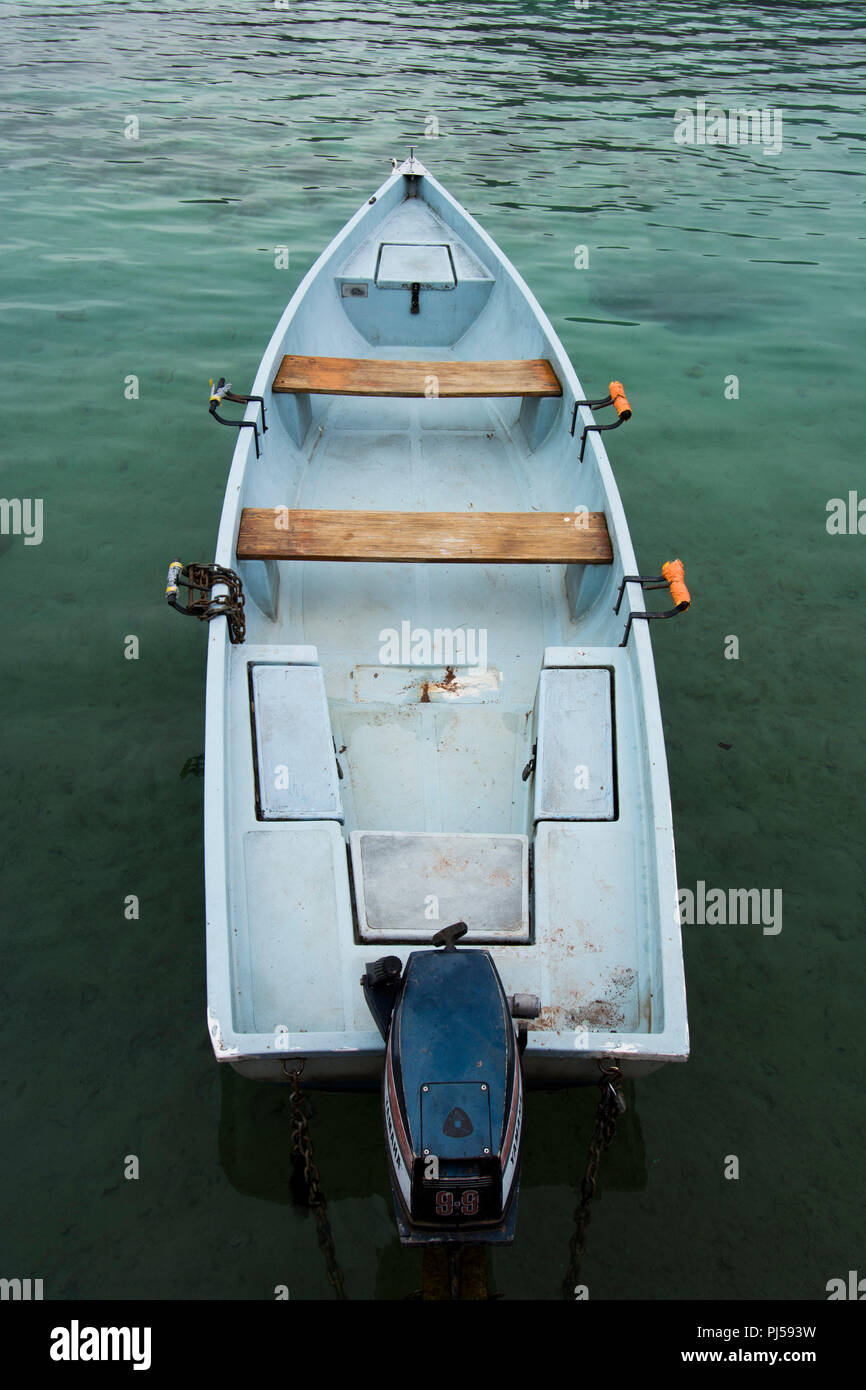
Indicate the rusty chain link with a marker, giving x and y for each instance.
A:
(203, 579)
(200, 581)
(302, 1148)
(610, 1106)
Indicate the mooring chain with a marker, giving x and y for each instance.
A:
(201, 602)
(302, 1147)
(610, 1106)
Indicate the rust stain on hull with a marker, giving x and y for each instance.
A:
(608, 1012)
(449, 685)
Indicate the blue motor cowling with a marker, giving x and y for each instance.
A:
(453, 1092)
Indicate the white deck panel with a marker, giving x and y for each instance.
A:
(449, 766)
(574, 769)
(406, 263)
(298, 913)
(482, 880)
(588, 900)
(296, 763)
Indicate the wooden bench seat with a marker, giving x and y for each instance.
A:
(507, 538)
(364, 376)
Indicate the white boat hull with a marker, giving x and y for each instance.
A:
(420, 750)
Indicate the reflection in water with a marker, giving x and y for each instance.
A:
(348, 1149)
(255, 1140)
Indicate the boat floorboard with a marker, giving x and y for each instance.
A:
(428, 746)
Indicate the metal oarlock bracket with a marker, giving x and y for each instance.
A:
(616, 399)
(223, 392)
(672, 577)
(201, 602)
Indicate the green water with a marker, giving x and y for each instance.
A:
(260, 128)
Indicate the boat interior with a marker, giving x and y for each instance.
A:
(431, 716)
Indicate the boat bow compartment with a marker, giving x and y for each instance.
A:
(415, 251)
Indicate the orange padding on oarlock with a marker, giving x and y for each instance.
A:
(673, 572)
(620, 404)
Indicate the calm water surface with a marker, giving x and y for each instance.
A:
(154, 257)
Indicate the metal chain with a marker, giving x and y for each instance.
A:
(203, 579)
(610, 1106)
(302, 1147)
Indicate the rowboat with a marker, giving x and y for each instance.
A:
(432, 711)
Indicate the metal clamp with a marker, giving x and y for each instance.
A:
(223, 392)
(672, 577)
(617, 399)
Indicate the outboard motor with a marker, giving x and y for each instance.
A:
(453, 1092)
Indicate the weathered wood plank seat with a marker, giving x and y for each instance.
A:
(351, 376)
(544, 538)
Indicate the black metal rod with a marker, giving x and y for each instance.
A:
(652, 581)
(239, 425)
(181, 607)
(598, 428)
(594, 405)
(671, 613)
(222, 393)
(243, 400)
